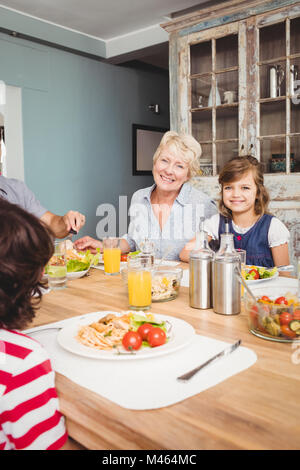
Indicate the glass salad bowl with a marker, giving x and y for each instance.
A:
(165, 283)
(275, 315)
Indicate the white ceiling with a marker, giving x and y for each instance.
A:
(103, 19)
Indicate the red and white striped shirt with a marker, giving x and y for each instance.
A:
(29, 408)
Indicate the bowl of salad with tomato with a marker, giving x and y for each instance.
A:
(275, 315)
(259, 273)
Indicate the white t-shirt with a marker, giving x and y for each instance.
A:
(278, 233)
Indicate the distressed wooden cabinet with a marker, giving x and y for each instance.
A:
(234, 85)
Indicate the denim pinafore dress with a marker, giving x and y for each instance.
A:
(255, 241)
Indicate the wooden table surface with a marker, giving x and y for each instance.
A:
(258, 408)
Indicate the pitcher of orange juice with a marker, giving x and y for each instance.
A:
(139, 282)
(111, 255)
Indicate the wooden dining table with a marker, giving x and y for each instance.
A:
(258, 408)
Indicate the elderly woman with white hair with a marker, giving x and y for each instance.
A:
(168, 212)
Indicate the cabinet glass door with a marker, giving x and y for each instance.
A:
(279, 96)
(214, 80)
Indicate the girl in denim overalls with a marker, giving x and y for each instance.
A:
(244, 202)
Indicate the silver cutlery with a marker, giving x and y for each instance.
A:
(286, 267)
(49, 327)
(225, 352)
(43, 329)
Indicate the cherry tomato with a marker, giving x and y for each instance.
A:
(256, 273)
(285, 318)
(287, 331)
(144, 329)
(265, 298)
(156, 337)
(124, 257)
(281, 301)
(296, 314)
(132, 340)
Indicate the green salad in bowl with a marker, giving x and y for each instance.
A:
(78, 262)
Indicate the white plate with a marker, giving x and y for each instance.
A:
(280, 288)
(77, 274)
(256, 281)
(180, 335)
(71, 276)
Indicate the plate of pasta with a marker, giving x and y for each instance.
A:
(99, 335)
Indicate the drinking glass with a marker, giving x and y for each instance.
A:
(111, 255)
(57, 266)
(242, 255)
(139, 282)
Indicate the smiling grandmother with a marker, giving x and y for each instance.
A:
(168, 212)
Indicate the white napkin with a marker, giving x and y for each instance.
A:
(151, 383)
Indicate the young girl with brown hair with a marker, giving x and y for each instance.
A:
(244, 202)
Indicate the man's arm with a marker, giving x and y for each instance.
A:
(62, 224)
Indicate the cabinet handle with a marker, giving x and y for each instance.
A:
(251, 149)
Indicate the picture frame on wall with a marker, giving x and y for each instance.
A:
(145, 140)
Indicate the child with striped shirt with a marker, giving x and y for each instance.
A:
(29, 409)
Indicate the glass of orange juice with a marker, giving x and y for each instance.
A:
(139, 282)
(111, 255)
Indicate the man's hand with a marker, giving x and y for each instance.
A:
(61, 225)
(74, 220)
(88, 243)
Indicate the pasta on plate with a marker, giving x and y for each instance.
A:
(105, 334)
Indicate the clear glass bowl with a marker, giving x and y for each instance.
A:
(165, 283)
(274, 321)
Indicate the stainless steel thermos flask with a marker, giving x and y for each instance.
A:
(226, 287)
(200, 266)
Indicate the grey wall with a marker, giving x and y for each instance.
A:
(77, 117)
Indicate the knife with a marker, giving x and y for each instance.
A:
(225, 352)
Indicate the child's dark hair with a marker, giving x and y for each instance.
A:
(25, 248)
(233, 171)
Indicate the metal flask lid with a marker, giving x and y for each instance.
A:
(202, 249)
(227, 253)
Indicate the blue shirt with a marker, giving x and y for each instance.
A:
(16, 192)
(183, 221)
